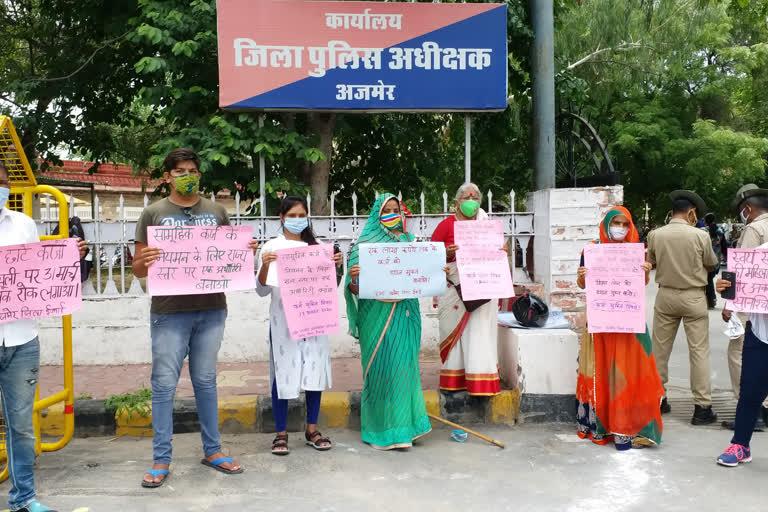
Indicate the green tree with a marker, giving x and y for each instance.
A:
(176, 41)
(415, 153)
(666, 83)
(65, 68)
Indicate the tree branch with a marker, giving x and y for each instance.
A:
(626, 65)
(5, 98)
(87, 61)
(623, 47)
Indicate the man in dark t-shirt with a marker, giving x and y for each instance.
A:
(183, 325)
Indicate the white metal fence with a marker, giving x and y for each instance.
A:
(112, 242)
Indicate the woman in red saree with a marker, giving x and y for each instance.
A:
(618, 388)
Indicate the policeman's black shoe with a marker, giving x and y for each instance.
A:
(665, 408)
(764, 415)
(703, 415)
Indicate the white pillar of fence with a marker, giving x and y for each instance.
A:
(110, 288)
(122, 244)
(135, 288)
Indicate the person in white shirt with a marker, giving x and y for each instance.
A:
(19, 369)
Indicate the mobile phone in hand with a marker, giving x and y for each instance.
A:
(730, 292)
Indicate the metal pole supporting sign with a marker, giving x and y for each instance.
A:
(262, 175)
(467, 148)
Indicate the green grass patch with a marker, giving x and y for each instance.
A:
(137, 402)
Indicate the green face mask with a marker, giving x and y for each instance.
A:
(469, 208)
(187, 185)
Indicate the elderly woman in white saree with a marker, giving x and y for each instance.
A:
(467, 330)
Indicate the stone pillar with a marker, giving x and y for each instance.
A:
(565, 220)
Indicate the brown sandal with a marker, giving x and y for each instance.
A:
(315, 440)
(280, 445)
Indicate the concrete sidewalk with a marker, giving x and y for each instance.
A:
(234, 379)
(543, 468)
(244, 400)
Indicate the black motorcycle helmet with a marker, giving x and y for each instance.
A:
(530, 310)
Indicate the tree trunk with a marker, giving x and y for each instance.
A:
(322, 125)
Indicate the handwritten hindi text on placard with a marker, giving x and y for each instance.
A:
(39, 280)
(308, 288)
(615, 286)
(751, 268)
(200, 259)
(483, 265)
(402, 270)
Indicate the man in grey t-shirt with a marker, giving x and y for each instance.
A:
(183, 325)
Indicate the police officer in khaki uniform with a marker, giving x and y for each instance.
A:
(683, 256)
(751, 204)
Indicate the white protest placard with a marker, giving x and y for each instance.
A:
(402, 270)
(276, 245)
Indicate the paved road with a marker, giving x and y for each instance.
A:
(544, 468)
(679, 366)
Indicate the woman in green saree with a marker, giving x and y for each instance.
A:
(392, 412)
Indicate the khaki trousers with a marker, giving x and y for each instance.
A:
(690, 306)
(735, 346)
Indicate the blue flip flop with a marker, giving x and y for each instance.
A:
(155, 473)
(36, 506)
(216, 464)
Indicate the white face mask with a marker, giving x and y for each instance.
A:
(5, 193)
(743, 216)
(618, 233)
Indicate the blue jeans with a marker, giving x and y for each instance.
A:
(753, 389)
(175, 336)
(19, 369)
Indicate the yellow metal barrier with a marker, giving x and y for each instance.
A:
(23, 188)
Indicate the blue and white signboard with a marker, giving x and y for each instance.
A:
(368, 56)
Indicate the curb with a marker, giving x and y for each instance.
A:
(253, 414)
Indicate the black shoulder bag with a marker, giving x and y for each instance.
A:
(470, 305)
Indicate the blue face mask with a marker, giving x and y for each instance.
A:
(5, 193)
(296, 224)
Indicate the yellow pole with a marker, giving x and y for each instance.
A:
(69, 390)
(36, 422)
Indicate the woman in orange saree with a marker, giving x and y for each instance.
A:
(618, 388)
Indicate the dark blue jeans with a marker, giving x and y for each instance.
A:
(175, 336)
(754, 387)
(19, 369)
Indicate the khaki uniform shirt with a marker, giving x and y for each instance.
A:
(682, 255)
(755, 233)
